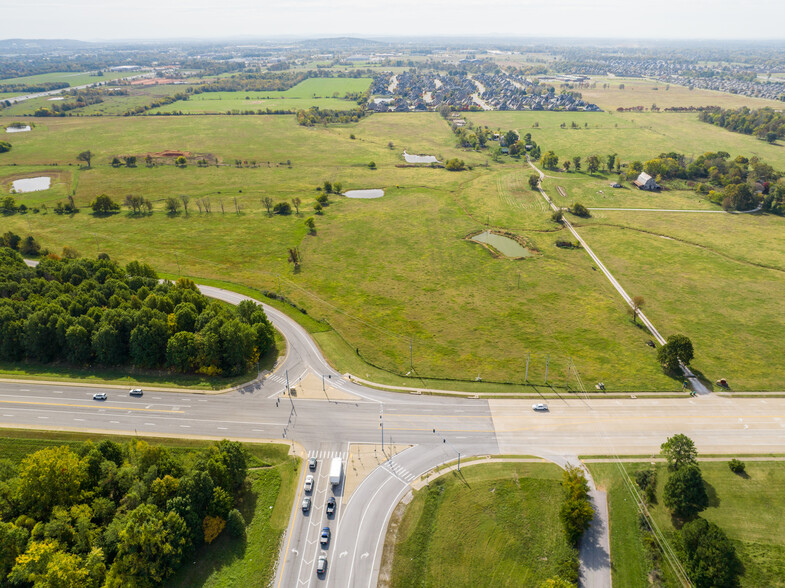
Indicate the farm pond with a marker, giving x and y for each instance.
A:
(504, 245)
(18, 129)
(419, 158)
(32, 184)
(376, 193)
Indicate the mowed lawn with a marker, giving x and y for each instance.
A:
(70, 77)
(494, 525)
(749, 509)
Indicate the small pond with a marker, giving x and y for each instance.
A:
(364, 193)
(419, 158)
(18, 129)
(504, 245)
(32, 184)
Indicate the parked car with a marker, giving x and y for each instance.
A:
(100, 396)
(331, 506)
(324, 539)
(136, 392)
(306, 504)
(540, 406)
(321, 566)
(308, 483)
(312, 464)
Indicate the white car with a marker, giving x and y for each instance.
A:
(308, 483)
(540, 406)
(99, 396)
(136, 392)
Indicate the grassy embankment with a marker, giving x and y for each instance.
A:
(749, 509)
(494, 525)
(382, 271)
(265, 506)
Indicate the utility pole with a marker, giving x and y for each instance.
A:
(381, 423)
(456, 451)
(526, 378)
(411, 352)
(177, 259)
(519, 281)
(547, 363)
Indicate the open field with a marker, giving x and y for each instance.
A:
(265, 505)
(326, 93)
(492, 525)
(595, 191)
(631, 136)
(644, 92)
(70, 77)
(397, 271)
(748, 509)
(111, 105)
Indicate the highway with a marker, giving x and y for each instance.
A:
(436, 427)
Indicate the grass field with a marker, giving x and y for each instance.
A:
(326, 93)
(749, 509)
(643, 92)
(494, 525)
(397, 271)
(70, 77)
(265, 506)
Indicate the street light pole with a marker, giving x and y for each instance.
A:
(289, 392)
(526, 377)
(381, 423)
(455, 450)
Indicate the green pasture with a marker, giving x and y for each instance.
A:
(749, 509)
(631, 136)
(490, 525)
(326, 93)
(397, 271)
(727, 305)
(595, 191)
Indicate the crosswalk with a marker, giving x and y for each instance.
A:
(400, 471)
(325, 454)
(276, 378)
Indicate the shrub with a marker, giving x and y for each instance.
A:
(736, 466)
(212, 527)
(576, 511)
(235, 523)
(557, 215)
(454, 165)
(372, 165)
(709, 556)
(685, 494)
(103, 204)
(5, 146)
(282, 208)
(579, 209)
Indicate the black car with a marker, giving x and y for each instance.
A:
(306, 504)
(331, 506)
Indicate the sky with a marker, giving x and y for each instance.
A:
(91, 20)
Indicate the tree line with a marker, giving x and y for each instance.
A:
(114, 515)
(764, 123)
(93, 311)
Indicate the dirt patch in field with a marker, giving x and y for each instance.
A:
(169, 155)
(57, 175)
(562, 191)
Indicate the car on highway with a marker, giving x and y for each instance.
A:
(331, 506)
(321, 566)
(324, 538)
(540, 407)
(308, 483)
(306, 504)
(100, 396)
(136, 392)
(312, 464)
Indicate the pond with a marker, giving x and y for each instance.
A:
(364, 193)
(18, 129)
(419, 158)
(504, 245)
(32, 184)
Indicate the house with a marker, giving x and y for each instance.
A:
(646, 182)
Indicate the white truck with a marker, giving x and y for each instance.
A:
(336, 471)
